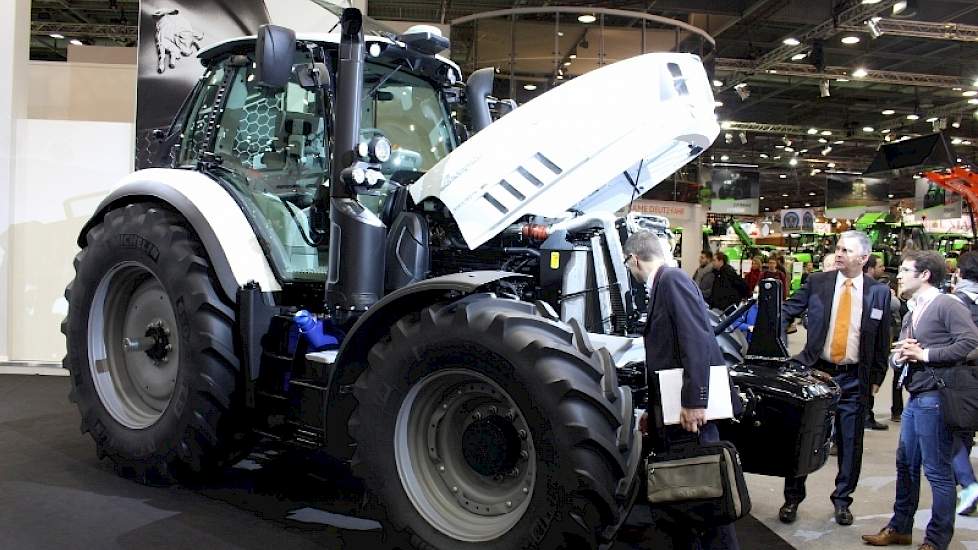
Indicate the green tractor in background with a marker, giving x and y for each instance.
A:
(891, 238)
(736, 251)
(806, 247)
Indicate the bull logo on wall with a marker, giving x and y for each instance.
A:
(175, 38)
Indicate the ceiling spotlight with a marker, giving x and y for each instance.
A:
(561, 77)
(973, 101)
(783, 176)
(966, 142)
(793, 162)
(823, 88)
(840, 79)
(912, 116)
(742, 90)
(826, 132)
(743, 138)
(887, 112)
(808, 204)
(76, 42)
(860, 73)
(529, 87)
(885, 131)
(763, 155)
(790, 41)
(816, 171)
(786, 206)
(762, 198)
(57, 36)
(827, 150)
(868, 129)
(874, 28)
(956, 124)
(728, 138)
(724, 158)
(932, 119)
(572, 56)
(799, 56)
(969, 93)
(905, 8)
(868, 2)
(567, 63)
(789, 149)
(851, 39)
(587, 18)
(823, 140)
(830, 165)
(956, 141)
(890, 195)
(717, 83)
(812, 131)
(784, 194)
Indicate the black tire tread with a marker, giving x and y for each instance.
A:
(207, 436)
(592, 413)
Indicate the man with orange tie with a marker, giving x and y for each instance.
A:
(848, 338)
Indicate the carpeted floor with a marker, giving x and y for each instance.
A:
(55, 493)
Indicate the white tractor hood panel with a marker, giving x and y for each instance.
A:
(590, 144)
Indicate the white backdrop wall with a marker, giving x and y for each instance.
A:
(64, 169)
(72, 146)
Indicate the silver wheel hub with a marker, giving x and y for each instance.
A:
(133, 345)
(465, 455)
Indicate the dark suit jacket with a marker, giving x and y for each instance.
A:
(678, 335)
(816, 297)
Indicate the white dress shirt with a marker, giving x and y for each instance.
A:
(855, 321)
(918, 305)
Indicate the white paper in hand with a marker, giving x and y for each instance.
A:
(718, 406)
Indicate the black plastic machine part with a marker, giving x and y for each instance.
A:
(357, 238)
(767, 341)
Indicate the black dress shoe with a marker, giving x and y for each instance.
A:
(788, 512)
(872, 424)
(842, 515)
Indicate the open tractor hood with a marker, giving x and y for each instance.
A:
(591, 144)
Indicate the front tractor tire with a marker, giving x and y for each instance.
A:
(481, 424)
(150, 346)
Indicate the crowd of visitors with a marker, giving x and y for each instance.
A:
(925, 320)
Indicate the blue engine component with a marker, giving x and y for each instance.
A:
(321, 335)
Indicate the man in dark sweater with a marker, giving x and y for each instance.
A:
(678, 335)
(728, 287)
(937, 334)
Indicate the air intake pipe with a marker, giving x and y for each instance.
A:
(477, 90)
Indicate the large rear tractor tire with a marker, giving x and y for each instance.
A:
(481, 424)
(150, 338)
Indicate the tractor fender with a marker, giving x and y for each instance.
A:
(378, 319)
(232, 246)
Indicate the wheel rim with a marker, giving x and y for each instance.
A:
(465, 455)
(133, 345)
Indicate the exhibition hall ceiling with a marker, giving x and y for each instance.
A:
(916, 71)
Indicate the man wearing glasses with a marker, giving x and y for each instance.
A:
(678, 335)
(937, 334)
(848, 338)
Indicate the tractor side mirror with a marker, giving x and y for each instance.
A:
(274, 53)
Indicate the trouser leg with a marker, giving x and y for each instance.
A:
(908, 472)
(964, 474)
(850, 423)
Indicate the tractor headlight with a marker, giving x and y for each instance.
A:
(380, 149)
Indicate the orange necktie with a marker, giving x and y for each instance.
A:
(840, 332)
